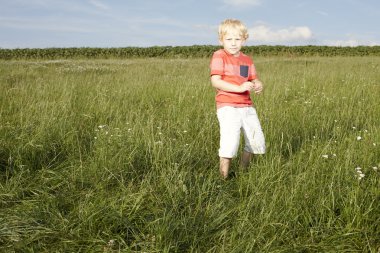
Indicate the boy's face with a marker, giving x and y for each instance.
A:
(232, 42)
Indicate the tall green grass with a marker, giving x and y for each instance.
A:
(121, 156)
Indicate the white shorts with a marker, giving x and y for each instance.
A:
(231, 120)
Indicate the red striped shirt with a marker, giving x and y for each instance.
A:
(234, 70)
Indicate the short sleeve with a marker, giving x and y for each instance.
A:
(252, 74)
(217, 64)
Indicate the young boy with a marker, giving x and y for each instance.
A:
(234, 76)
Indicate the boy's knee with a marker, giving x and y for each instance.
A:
(256, 147)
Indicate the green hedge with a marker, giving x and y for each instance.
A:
(182, 51)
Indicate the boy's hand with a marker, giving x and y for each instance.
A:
(247, 86)
(257, 86)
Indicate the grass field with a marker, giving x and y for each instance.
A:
(121, 156)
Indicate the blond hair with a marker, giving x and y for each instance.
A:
(229, 24)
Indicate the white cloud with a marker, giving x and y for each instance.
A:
(350, 43)
(353, 40)
(242, 3)
(99, 5)
(266, 34)
(343, 43)
(323, 13)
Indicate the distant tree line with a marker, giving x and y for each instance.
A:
(196, 51)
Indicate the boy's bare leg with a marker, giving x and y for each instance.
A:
(245, 159)
(224, 167)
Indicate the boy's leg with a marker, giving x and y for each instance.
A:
(253, 137)
(245, 159)
(224, 167)
(230, 124)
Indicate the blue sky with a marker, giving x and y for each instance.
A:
(142, 23)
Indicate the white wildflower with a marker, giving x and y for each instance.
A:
(375, 168)
(325, 156)
(358, 138)
(359, 173)
(111, 243)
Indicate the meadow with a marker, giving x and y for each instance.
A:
(120, 155)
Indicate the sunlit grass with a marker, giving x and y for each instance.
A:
(121, 155)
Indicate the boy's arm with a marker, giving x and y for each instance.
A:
(217, 82)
